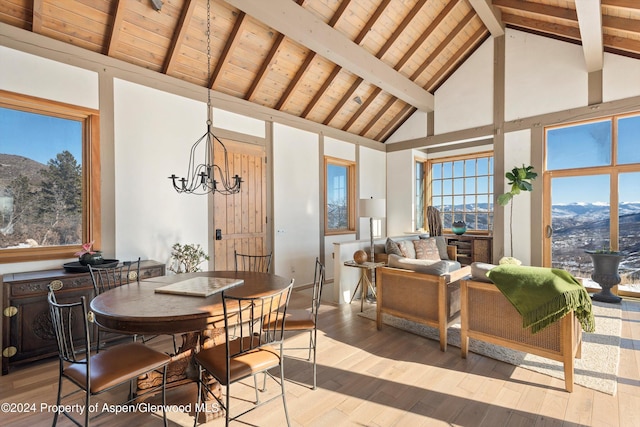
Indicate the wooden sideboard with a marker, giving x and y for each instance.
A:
(27, 334)
(472, 248)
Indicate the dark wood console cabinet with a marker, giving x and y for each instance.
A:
(27, 334)
(472, 248)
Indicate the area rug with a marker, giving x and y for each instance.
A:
(597, 369)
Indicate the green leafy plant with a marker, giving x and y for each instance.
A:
(187, 258)
(519, 180)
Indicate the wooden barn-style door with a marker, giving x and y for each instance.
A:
(241, 218)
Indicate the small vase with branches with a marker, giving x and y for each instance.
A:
(519, 180)
(186, 258)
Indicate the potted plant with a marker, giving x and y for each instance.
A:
(605, 273)
(186, 258)
(519, 180)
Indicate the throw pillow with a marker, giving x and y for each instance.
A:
(441, 243)
(407, 249)
(391, 247)
(426, 249)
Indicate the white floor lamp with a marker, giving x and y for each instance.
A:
(372, 208)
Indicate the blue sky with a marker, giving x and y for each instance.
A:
(39, 137)
(589, 145)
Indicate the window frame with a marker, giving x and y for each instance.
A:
(91, 213)
(429, 193)
(351, 195)
(613, 170)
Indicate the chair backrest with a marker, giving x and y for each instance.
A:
(318, 284)
(71, 328)
(253, 320)
(105, 278)
(260, 263)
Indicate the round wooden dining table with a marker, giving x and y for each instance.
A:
(138, 309)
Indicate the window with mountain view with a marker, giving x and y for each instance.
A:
(43, 187)
(339, 196)
(461, 188)
(593, 171)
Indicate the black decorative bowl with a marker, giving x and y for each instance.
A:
(76, 267)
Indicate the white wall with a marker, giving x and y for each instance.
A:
(400, 183)
(465, 100)
(32, 75)
(296, 203)
(414, 127)
(237, 122)
(372, 184)
(154, 132)
(621, 77)
(517, 151)
(542, 75)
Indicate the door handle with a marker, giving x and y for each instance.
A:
(549, 231)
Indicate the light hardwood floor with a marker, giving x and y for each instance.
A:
(385, 378)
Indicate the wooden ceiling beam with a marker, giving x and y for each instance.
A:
(393, 124)
(423, 37)
(320, 93)
(538, 9)
(442, 46)
(377, 91)
(293, 84)
(551, 29)
(620, 24)
(36, 16)
(343, 100)
(590, 23)
(295, 81)
(403, 26)
(307, 29)
(624, 4)
(229, 47)
(264, 68)
(489, 16)
(116, 29)
(371, 22)
(179, 36)
(307, 63)
(379, 115)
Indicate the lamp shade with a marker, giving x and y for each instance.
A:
(372, 208)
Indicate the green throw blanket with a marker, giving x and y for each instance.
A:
(543, 295)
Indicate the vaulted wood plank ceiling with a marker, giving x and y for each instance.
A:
(361, 66)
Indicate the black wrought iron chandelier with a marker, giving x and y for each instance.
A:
(207, 177)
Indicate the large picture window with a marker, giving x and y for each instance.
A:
(592, 197)
(339, 196)
(49, 178)
(461, 188)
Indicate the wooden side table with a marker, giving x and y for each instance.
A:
(364, 281)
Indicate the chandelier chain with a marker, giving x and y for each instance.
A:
(208, 177)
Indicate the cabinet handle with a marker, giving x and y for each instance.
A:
(10, 311)
(9, 351)
(56, 285)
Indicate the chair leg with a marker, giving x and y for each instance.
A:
(198, 397)
(284, 400)
(55, 416)
(164, 395)
(314, 334)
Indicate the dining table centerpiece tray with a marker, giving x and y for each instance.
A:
(76, 267)
(200, 286)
